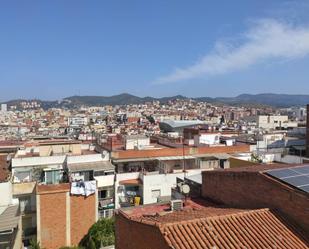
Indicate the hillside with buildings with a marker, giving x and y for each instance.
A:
(176, 165)
(257, 100)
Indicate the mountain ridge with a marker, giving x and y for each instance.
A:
(267, 99)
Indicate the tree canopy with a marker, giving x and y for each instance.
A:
(102, 233)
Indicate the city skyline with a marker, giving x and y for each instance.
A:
(51, 51)
(154, 124)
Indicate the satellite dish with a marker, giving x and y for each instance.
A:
(104, 154)
(185, 189)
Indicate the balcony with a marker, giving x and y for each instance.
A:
(106, 213)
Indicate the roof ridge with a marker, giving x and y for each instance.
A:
(215, 217)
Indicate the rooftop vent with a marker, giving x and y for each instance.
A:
(176, 205)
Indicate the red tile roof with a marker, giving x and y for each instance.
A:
(211, 226)
(192, 209)
(251, 229)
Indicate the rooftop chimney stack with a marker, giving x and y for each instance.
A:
(307, 132)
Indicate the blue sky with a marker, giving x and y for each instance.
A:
(54, 49)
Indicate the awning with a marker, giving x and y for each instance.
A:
(9, 219)
(131, 182)
(141, 159)
(162, 158)
(170, 158)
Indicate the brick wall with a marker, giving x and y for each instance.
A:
(256, 190)
(179, 151)
(63, 219)
(134, 235)
(82, 216)
(53, 220)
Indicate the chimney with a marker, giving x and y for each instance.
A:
(307, 132)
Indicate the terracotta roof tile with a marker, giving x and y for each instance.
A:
(244, 229)
(186, 215)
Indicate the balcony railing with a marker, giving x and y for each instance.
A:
(107, 213)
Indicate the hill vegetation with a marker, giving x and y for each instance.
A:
(266, 99)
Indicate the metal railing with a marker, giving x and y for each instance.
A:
(106, 213)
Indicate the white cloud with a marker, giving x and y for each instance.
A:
(266, 39)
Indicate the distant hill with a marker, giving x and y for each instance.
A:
(121, 99)
(276, 100)
(267, 99)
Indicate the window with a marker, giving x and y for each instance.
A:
(103, 173)
(109, 172)
(99, 173)
(106, 193)
(132, 189)
(52, 176)
(88, 175)
(23, 176)
(156, 193)
(177, 166)
(103, 194)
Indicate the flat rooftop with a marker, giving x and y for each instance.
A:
(193, 208)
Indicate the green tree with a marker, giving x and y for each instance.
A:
(102, 233)
(34, 244)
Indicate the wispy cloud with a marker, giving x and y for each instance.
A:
(266, 39)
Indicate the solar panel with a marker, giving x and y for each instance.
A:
(305, 188)
(295, 176)
(283, 173)
(304, 170)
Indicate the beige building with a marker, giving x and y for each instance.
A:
(274, 122)
(10, 219)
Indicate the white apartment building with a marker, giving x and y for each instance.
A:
(77, 121)
(274, 122)
(4, 107)
(150, 187)
(208, 139)
(136, 142)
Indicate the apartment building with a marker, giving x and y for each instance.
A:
(36, 177)
(274, 122)
(234, 212)
(10, 219)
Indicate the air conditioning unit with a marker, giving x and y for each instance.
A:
(176, 205)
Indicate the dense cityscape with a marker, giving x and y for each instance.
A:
(65, 169)
(159, 124)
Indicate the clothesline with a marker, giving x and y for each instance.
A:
(83, 188)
